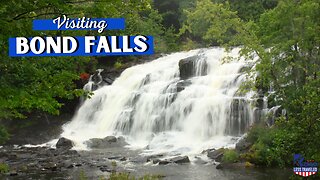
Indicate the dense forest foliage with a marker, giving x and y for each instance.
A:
(284, 34)
(43, 84)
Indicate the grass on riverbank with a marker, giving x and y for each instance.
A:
(4, 168)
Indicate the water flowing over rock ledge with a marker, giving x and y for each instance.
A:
(187, 95)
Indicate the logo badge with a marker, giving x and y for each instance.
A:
(304, 167)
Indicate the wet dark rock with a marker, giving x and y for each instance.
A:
(164, 162)
(216, 154)
(187, 67)
(78, 164)
(219, 166)
(139, 159)
(177, 160)
(110, 139)
(180, 159)
(50, 166)
(157, 155)
(13, 173)
(114, 157)
(107, 142)
(108, 80)
(156, 161)
(260, 103)
(207, 150)
(243, 145)
(154, 156)
(69, 165)
(64, 143)
(123, 159)
(105, 169)
(181, 85)
(120, 158)
(94, 87)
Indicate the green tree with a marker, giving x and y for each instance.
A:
(44, 83)
(286, 40)
(169, 10)
(252, 9)
(212, 23)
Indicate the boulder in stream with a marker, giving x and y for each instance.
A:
(177, 160)
(216, 154)
(64, 143)
(180, 159)
(107, 142)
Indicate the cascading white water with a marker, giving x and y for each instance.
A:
(93, 83)
(145, 105)
(94, 80)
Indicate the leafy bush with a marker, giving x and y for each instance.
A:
(4, 168)
(4, 136)
(276, 146)
(255, 132)
(82, 175)
(230, 156)
(118, 65)
(266, 149)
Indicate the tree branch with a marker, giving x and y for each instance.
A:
(39, 8)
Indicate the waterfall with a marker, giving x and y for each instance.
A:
(94, 81)
(180, 103)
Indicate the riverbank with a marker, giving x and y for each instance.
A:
(48, 163)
